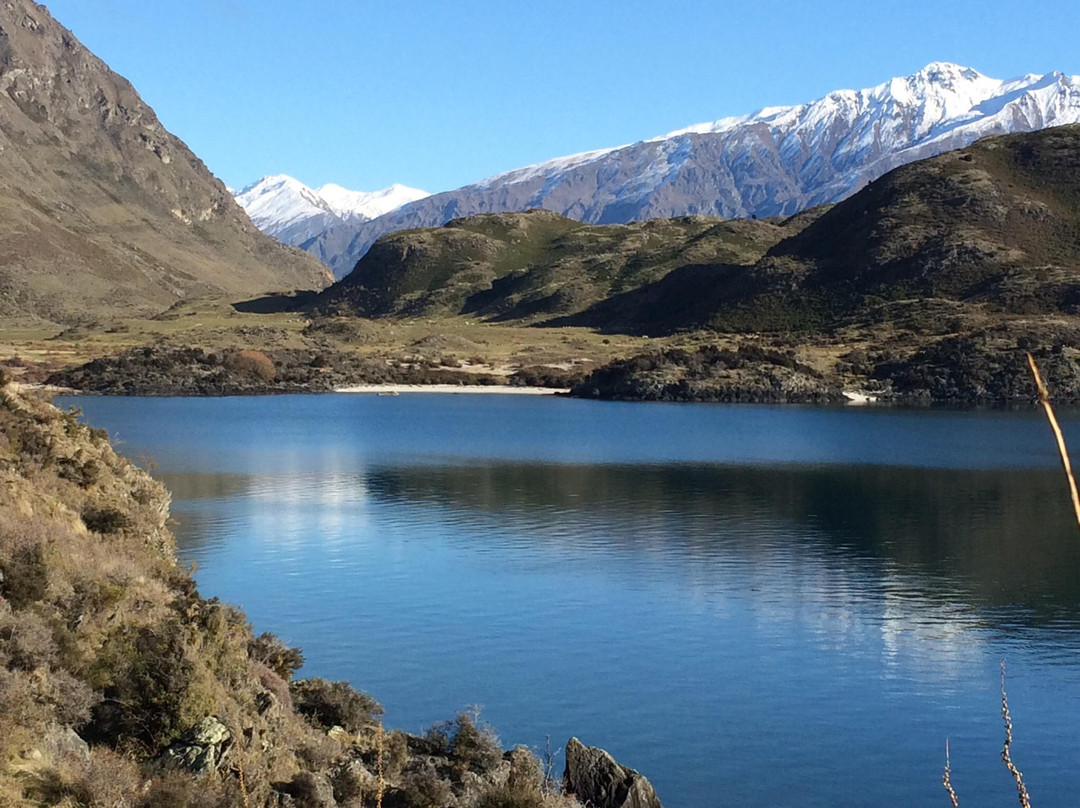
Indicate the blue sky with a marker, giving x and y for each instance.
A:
(437, 94)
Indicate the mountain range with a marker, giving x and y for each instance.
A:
(989, 230)
(104, 212)
(775, 162)
(288, 210)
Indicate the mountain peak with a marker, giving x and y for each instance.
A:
(289, 210)
(774, 162)
(947, 71)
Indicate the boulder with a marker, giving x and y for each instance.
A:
(201, 749)
(306, 789)
(596, 779)
(61, 742)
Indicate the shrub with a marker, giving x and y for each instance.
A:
(152, 678)
(421, 787)
(23, 576)
(474, 747)
(255, 363)
(329, 704)
(28, 640)
(105, 520)
(106, 778)
(272, 652)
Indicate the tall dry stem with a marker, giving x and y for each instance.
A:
(1006, 754)
(240, 772)
(1044, 399)
(379, 765)
(946, 778)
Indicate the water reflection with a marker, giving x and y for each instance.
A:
(711, 590)
(992, 538)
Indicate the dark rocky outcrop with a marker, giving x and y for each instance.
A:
(977, 369)
(746, 375)
(198, 372)
(596, 779)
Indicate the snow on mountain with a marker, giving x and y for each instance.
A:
(368, 204)
(285, 208)
(776, 161)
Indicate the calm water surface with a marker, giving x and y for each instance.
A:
(776, 606)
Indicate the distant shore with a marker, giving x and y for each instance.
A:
(503, 389)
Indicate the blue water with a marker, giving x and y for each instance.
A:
(779, 606)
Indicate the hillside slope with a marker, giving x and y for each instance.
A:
(538, 264)
(103, 211)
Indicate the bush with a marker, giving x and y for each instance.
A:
(255, 363)
(272, 652)
(329, 704)
(152, 678)
(474, 747)
(23, 576)
(105, 520)
(423, 788)
(27, 639)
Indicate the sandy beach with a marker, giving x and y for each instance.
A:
(501, 389)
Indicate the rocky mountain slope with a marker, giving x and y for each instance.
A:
(102, 210)
(293, 213)
(775, 162)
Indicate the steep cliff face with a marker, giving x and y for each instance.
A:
(102, 210)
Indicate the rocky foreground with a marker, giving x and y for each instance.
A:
(120, 685)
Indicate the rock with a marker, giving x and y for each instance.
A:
(201, 749)
(267, 703)
(596, 779)
(65, 742)
(341, 735)
(308, 790)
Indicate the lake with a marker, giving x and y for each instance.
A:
(751, 605)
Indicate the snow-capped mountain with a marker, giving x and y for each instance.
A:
(776, 161)
(292, 212)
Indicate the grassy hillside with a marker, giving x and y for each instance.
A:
(534, 265)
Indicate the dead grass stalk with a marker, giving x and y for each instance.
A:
(946, 779)
(1006, 754)
(1044, 399)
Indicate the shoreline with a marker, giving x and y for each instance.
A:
(470, 389)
